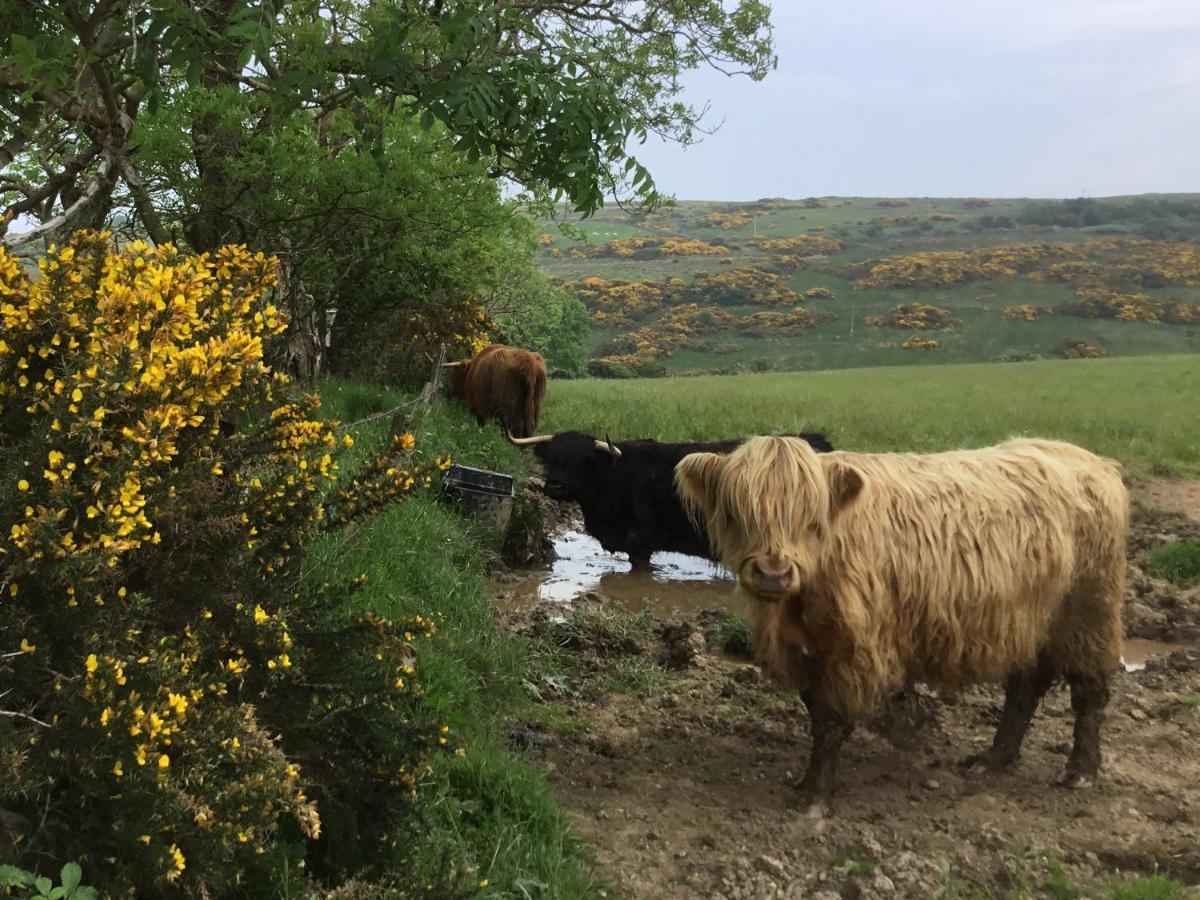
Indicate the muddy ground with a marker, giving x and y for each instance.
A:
(675, 760)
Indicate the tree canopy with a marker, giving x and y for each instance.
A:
(549, 93)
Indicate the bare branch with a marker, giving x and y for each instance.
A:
(102, 181)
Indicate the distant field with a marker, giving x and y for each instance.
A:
(873, 228)
(1141, 411)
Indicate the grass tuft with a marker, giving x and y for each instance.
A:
(1178, 563)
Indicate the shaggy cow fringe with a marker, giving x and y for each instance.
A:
(950, 568)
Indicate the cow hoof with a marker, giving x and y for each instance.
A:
(1076, 780)
(980, 763)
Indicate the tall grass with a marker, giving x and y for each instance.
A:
(1139, 410)
(486, 811)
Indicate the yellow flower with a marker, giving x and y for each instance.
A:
(164, 761)
(55, 458)
(27, 647)
(92, 663)
(145, 838)
(178, 861)
(260, 615)
(347, 442)
(118, 769)
(22, 485)
(77, 395)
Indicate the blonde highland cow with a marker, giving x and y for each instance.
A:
(869, 570)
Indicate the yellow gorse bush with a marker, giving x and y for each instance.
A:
(126, 352)
(1103, 264)
(921, 316)
(156, 645)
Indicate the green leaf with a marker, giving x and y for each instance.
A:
(11, 876)
(43, 885)
(71, 876)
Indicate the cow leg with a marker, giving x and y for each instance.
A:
(1089, 697)
(639, 563)
(830, 730)
(1022, 692)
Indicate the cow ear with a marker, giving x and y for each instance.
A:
(696, 478)
(845, 483)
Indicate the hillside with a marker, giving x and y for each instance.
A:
(850, 282)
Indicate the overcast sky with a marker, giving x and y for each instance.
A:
(998, 98)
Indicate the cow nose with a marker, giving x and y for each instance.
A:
(771, 566)
(772, 574)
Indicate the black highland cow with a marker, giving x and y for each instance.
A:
(626, 489)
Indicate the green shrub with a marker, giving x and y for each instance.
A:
(1178, 562)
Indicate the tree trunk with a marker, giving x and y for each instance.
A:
(303, 354)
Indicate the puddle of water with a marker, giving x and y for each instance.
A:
(674, 582)
(1136, 651)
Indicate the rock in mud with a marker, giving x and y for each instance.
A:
(527, 540)
(770, 865)
(683, 645)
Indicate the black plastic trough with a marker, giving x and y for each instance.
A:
(484, 495)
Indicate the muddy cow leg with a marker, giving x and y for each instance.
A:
(1089, 697)
(639, 563)
(830, 729)
(1022, 692)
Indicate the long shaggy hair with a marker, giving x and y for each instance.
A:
(950, 567)
(504, 383)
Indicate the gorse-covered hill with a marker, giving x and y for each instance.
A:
(834, 282)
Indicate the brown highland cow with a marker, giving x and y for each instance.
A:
(867, 570)
(503, 383)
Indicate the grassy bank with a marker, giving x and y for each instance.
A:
(484, 818)
(1139, 410)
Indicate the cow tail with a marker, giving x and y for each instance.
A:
(534, 393)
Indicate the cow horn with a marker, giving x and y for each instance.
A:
(609, 447)
(452, 365)
(529, 441)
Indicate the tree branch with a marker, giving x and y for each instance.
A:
(144, 205)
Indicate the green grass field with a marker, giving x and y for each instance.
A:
(983, 336)
(1140, 410)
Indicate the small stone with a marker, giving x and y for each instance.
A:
(883, 884)
(1138, 715)
(747, 675)
(769, 865)
(931, 784)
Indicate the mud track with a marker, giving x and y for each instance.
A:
(682, 784)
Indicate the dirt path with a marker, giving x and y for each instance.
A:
(680, 776)
(1181, 497)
